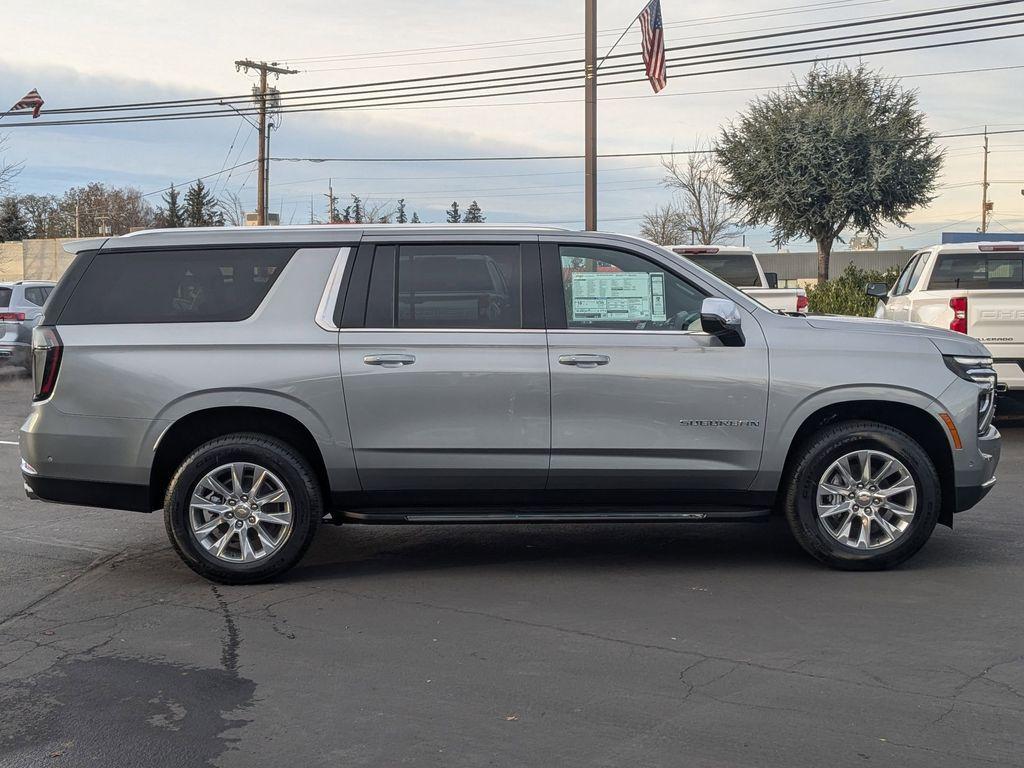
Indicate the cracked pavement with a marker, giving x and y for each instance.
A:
(716, 645)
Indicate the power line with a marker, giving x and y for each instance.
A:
(402, 84)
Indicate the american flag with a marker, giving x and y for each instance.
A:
(31, 100)
(654, 44)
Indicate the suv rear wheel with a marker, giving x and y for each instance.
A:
(243, 508)
(864, 496)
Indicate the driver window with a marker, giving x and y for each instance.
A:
(607, 289)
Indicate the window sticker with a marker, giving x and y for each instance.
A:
(618, 297)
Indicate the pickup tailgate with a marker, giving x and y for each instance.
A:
(996, 319)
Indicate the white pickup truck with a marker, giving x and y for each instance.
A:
(973, 288)
(740, 268)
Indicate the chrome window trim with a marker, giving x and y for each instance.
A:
(519, 330)
(329, 299)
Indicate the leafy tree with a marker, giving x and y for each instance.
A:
(400, 217)
(201, 208)
(703, 203)
(844, 148)
(171, 215)
(664, 226)
(454, 217)
(845, 294)
(415, 218)
(97, 205)
(12, 222)
(473, 214)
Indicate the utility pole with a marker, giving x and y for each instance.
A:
(331, 204)
(590, 118)
(986, 206)
(78, 219)
(263, 161)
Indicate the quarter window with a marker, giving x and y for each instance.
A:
(459, 286)
(614, 290)
(175, 286)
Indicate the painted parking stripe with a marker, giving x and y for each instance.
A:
(7, 442)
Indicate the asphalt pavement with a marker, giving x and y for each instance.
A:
(610, 645)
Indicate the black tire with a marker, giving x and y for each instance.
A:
(817, 454)
(280, 458)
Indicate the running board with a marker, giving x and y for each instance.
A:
(427, 515)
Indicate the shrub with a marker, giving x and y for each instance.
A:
(844, 295)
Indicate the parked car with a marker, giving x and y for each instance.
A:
(740, 267)
(972, 288)
(252, 381)
(21, 305)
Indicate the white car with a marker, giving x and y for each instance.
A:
(740, 268)
(972, 288)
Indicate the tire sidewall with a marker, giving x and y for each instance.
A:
(307, 506)
(820, 455)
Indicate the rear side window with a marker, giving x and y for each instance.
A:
(460, 286)
(736, 269)
(977, 271)
(5, 297)
(37, 295)
(174, 286)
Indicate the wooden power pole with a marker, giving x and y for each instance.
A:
(262, 159)
(590, 118)
(986, 206)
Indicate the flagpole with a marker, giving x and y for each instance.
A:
(590, 117)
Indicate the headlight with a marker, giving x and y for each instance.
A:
(978, 370)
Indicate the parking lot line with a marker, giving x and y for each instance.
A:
(7, 442)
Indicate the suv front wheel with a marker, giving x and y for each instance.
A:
(864, 496)
(243, 508)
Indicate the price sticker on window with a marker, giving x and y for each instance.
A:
(608, 297)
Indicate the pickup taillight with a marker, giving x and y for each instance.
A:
(959, 306)
(12, 317)
(801, 303)
(47, 350)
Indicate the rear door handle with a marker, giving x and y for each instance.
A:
(390, 361)
(584, 361)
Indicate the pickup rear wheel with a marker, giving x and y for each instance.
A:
(243, 508)
(863, 496)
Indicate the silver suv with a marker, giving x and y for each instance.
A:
(21, 305)
(253, 382)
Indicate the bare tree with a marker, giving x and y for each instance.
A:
(700, 185)
(664, 226)
(7, 170)
(230, 205)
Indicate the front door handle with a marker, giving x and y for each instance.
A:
(584, 361)
(390, 361)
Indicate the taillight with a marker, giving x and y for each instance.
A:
(959, 306)
(801, 303)
(47, 349)
(12, 317)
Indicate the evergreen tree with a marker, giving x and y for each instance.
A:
(400, 217)
(171, 214)
(358, 214)
(201, 208)
(346, 215)
(454, 217)
(474, 215)
(13, 225)
(415, 218)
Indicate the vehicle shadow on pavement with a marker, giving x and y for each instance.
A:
(358, 551)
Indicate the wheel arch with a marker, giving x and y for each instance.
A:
(193, 429)
(913, 419)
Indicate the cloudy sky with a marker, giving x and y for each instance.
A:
(113, 51)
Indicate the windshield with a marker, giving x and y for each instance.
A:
(737, 269)
(978, 271)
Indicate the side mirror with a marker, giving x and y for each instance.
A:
(772, 278)
(877, 291)
(721, 318)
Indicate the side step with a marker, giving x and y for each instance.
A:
(562, 515)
